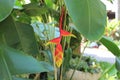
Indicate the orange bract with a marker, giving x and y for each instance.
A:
(58, 55)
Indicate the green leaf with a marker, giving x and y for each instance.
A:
(110, 45)
(14, 62)
(118, 75)
(34, 9)
(117, 63)
(9, 32)
(49, 3)
(18, 5)
(6, 7)
(20, 16)
(75, 42)
(89, 16)
(4, 70)
(108, 69)
(68, 56)
(48, 56)
(27, 38)
(19, 33)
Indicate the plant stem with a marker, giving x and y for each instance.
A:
(55, 72)
(61, 70)
(78, 61)
(55, 69)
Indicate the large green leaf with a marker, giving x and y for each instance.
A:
(27, 38)
(6, 7)
(19, 33)
(14, 62)
(110, 45)
(89, 16)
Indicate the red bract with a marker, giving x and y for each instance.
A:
(54, 41)
(58, 55)
(65, 33)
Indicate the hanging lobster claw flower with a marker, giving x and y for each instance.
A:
(54, 41)
(58, 55)
(66, 33)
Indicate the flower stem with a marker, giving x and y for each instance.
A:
(55, 69)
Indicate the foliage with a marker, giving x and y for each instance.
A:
(20, 42)
(14, 62)
(111, 46)
(88, 18)
(87, 64)
(112, 29)
(109, 71)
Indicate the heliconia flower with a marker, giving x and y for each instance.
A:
(66, 33)
(54, 41)
(58, 55)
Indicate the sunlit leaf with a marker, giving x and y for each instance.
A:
(89, 16)
(110, 45)
(49, 3)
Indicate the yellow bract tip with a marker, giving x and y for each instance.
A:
(59, 63)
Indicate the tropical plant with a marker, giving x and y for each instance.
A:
(87, 64)
(112, 29)
(23, 47)
(109, 71)
(114, 49)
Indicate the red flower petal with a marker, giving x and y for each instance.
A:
(54, 41)
(66, 33)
